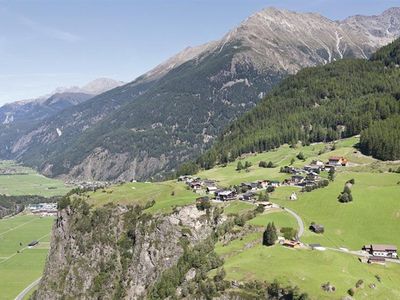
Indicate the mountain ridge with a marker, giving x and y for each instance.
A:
(175, 111)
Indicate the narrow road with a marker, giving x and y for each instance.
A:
(27, 289)
(299, 221)
(361, 254)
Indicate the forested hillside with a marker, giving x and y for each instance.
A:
(324, 103)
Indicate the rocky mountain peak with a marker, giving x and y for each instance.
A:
(94, 87)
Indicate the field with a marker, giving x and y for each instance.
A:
(18, 270)
(26, 181)
(372, 217)
(165, 194)
(309, 270)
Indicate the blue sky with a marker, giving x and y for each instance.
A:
(49, 43)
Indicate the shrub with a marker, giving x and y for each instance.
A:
(262, 164)
(63, 203)
(288, 232)
(301, 156)
(271, 165)
(260, 209)
(270, 189)
(263, 197)
(359, 283)
(203, 203)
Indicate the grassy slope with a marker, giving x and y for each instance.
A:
(373, 217)
(281, 157)
(31, 183)
(279, 217)
(309, 269)
(18, 270)
(142, 193)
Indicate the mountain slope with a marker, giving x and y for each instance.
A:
(175, 111)
(324, 103)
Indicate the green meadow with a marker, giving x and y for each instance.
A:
(283, 156)
(372, 217)
(18, 270)
(166, 195)
(278, 217)
(28, 182)
(309, 270)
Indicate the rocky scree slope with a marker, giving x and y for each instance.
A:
(175, 111)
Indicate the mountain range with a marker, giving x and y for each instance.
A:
(48, 105)
(174, 112)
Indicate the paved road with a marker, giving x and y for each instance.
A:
(299, 221)
(27, 289)
(361, 254)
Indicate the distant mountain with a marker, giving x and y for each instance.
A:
(175, 111)
(95, 87)
(46, 106)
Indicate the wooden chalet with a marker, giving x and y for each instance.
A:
(291, 244)
(226, 195)
(337, 161)
(317, 228)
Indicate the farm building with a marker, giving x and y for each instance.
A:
(211, 189)
(263, 184)
(337, 161)
(388, 251)
(33, 243)
(249, 186)
(313, 168)
(266, 204)
(376, 260)
(274, 183)
(293, 196)
(226, 195)
(195, 185)
(248, 196)
(318, 163)
(296, 180)
(317, 228)
(187, 178)
(291, 244)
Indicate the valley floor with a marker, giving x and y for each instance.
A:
(19, 264)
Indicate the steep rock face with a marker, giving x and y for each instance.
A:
(175, 111)
(117, 252)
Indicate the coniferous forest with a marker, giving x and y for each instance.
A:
(338, 100)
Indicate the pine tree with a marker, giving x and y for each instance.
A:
(270, 235)
(239, 166)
